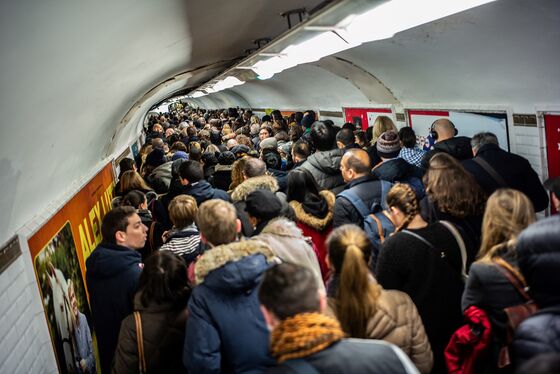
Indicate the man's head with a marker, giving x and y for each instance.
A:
(553, 185)
(157, 128)
(288, 289)
(300, 151)
(344, 138)
(190, 172)
(483, 138)
(124, 227)
(262, 206)
(443, 129)
(322, 136)
(218, 223)
(157, 143)
(354, 164)
(254, 167)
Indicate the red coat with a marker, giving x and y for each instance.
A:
(318, 229)
(469, 342)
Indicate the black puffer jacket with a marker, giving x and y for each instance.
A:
(515, 170)
(325, 168)
(458, 147)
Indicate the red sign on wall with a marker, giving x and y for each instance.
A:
(364, 117)
(552, 130)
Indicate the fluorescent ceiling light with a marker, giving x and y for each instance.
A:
(197, 94)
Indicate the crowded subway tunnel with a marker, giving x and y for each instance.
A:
(87, 90)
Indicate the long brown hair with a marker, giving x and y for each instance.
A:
(349, 254)
(452, 188)
(402, 197)
(131, 180)
(507, 213)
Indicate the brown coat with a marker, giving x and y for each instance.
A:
(163, 330)
(396, 320)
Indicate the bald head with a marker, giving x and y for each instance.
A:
(157, 143)
(444, 128)
(355, 163)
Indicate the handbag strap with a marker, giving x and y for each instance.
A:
(490, 170)
(418, 237)
(460, 243)
(379, 227)
(140, 342)
(517, 283)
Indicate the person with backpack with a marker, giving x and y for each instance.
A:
(488, 287)
(362, 192)
(364, 309)
(427, 261)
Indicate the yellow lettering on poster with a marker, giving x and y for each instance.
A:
(86, 249)
(96, 223)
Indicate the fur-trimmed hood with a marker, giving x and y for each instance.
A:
(264, 182)
(316, 223)
(222, 258)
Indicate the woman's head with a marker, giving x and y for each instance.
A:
(452, 188)
(349, 251)
(131, 180)
(381, 125)
(300, 184)
(164, 280)
(136, 199)
(403, 205)
(508, 212)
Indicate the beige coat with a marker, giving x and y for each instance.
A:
(396, 320)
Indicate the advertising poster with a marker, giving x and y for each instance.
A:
(467, 124)
(59, 250)
(365, 117)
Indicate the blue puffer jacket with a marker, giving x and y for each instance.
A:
(226, 331)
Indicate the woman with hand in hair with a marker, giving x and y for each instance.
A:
(425, 261)
(364, 309)
(507, 213)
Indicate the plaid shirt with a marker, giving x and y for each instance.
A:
(412, 155)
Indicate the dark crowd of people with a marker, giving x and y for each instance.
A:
(240, 244)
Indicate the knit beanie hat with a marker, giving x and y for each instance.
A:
(269, 143)
(263, 205)
(240, 150)
(388, 145)
(307, 121)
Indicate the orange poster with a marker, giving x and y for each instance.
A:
(59, 250)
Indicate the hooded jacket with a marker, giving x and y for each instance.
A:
(398, 170)
(112, 277)
(459, 147)
(325, 168)
(226, 331)
(163, 331)
(240, 193)
(288, 244)
(202, 191)
(317, 228)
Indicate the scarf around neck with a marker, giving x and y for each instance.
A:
(303, 335)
